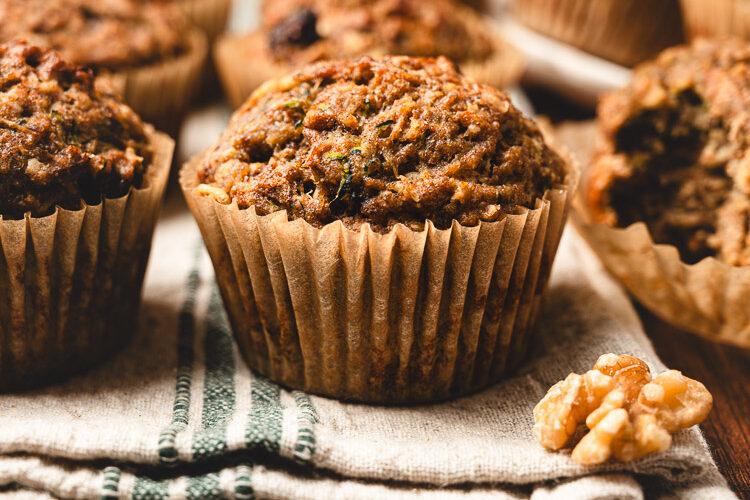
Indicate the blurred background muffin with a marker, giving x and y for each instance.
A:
(717, 18)
(295, 32)
(668, 196)
(623, 31)
(405, 164)
(70, 290)
(153, 56)
(676, 153)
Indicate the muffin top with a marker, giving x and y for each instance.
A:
(102, 34)
(62, 139)
(397, 140)
(676, 151)
(302, 31)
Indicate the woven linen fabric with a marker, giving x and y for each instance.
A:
(178, 414)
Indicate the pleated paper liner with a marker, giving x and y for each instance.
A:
(623, 31)
(210, 16)
(716, 18)
(160, 93)
(403, 317)
(70, 282)
(709, 298)
(243, 64)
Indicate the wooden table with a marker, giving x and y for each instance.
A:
(725, 371)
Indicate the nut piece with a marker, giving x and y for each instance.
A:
(628, 414)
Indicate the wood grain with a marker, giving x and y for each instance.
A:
(725, 371)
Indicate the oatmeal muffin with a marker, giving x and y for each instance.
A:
(211, 16)
(297, 32)
(626, 32)
(66, 144)
(716, 18)
(390, 200)
(676, 154)
(141, 46)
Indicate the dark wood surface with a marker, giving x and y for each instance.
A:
(725, 371)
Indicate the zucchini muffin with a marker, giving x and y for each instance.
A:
(297, 32)
(144, 47)
(676, 154)
(74, 161)
(364, 218)
(626, 32)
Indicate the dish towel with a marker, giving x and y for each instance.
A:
(178, 415)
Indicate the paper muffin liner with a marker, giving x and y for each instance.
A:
(210, 16)
(503, 69)
(70, 282)
(716, 18)
(709, 298)
(403, 317)
(623, 31)
(160, 93)
(243, 64)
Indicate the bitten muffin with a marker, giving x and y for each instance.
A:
(623, 31)
(675, 152)
(144, 47)
(297, 32)
(370, 191)
(74, 161)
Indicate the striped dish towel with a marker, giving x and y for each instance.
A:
(178, 415)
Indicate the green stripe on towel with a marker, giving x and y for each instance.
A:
(264, 419)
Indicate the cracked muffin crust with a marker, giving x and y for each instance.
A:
(63, 139)
(103, 34)
(302, 31)
(397, 140)
(676, 155)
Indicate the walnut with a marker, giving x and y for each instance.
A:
(628, 414)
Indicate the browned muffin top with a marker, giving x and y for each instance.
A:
(61, 139)
(302, 31)
(380, 141)
(102, 34)
(676, 154)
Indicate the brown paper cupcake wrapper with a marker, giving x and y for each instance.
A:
(402, 317)
(210, 16)
(160, 93)
(70, 282)
(709, 298)
(716, 18)
(624, 31)
(244, 65)
(503, 69)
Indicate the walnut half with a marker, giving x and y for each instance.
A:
(628, 414)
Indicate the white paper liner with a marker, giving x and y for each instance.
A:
(70, 282)
(403, 317)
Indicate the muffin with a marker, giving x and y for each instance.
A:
(626, 32)
(151, 54)
(717, 18)
(674, 159)
(381, 230)
(297, 32)
(81, 179)
(210, 16)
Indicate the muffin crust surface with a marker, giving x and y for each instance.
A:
(397, 140)
(63, 140)
(102, 34)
